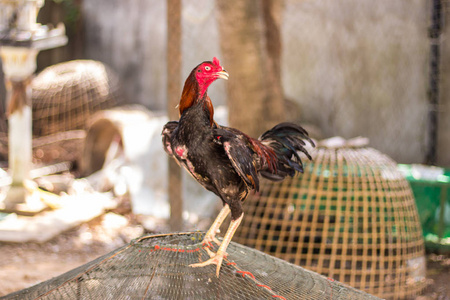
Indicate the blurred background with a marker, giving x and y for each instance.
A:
(348, 68)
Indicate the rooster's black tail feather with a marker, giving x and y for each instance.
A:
(286, 140)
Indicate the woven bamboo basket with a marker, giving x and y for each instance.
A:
(351, 216)
(64, 97)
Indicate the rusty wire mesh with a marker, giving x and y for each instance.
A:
(156, 267)
(351, 216)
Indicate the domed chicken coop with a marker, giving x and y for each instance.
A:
(64, 96)
(157, 267)
(351, 216)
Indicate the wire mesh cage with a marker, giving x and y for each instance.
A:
(350, 216)
(157, 267)
(65, 95)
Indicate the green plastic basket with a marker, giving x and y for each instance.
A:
(431, 189)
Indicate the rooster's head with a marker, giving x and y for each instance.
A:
(207, 72)
(197, 84)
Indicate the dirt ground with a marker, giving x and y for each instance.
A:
(23, 265)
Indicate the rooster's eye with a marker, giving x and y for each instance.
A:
(207, 68)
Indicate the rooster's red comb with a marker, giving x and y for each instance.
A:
(216, 61)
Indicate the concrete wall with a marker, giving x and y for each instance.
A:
(130, 36)
(360, 68)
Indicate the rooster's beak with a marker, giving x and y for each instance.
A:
(223, 74)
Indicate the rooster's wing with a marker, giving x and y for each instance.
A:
(242, 156)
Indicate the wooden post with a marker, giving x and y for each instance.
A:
(173, 97)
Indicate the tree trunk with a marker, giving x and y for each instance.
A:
(272, 13)
(254, 102)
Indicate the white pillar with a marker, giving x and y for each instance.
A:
(19, 64)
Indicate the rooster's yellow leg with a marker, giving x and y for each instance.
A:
(211, 233)
(218, 258)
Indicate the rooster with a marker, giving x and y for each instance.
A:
(225, 160)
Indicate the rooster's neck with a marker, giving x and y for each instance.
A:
(193, 94)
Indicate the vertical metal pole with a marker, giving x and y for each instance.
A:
(433, 94)
(173, 97)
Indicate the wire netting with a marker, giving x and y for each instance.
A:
(350, 216)
(157, 267)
